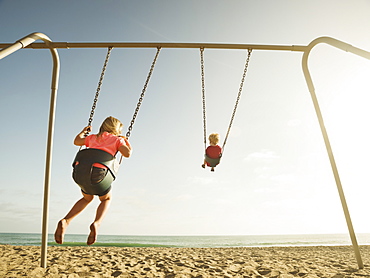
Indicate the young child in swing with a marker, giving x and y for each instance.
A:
(108, 139)
(213, 151)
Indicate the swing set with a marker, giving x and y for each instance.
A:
(87, 157)
(29, 42)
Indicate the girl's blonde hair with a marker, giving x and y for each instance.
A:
(214, 138)
(111, 125)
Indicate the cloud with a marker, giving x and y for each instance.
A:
(10, 210)
(184, 197)
(284, 178)
(201, 180)
(295, 122)
(263, 156)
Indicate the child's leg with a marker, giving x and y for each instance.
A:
(79, 206)
(100, 214)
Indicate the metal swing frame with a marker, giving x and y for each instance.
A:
(28, 42)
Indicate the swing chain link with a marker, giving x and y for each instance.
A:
(239, 94)
(99, 86)
(128, 133)
(203, 96)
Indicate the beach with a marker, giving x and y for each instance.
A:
(283, 262)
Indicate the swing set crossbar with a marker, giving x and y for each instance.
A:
(68, 45)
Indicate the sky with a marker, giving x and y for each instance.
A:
(274, 177)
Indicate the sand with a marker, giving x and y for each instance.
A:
(283, 262)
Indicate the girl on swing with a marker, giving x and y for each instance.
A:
(213, 152)
(108, 139)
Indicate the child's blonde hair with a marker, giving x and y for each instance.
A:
(111, 125)
(214, 138)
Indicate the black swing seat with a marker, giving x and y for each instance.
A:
(83, 166)
(213, 162)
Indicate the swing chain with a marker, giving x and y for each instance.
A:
(239, 94)
(99, 86)
(203, 96)
(128, 133)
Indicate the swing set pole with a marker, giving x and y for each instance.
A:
(22, 43)
(357, 51)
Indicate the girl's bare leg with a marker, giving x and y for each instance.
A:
(79, 206)
(100, 214)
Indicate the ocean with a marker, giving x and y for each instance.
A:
(190, 241)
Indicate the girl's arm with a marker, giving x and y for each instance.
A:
(80, 138)
(125, 150)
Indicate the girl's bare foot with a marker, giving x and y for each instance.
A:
(93, 234)
(60, 231)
